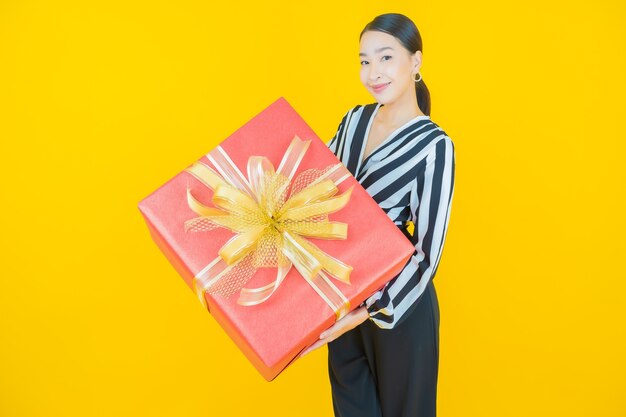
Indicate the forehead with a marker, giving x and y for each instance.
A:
(372, 42)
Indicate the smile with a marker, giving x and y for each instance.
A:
(380, 87)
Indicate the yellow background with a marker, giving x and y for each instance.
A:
(104, 101)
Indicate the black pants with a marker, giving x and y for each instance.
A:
(378, 372)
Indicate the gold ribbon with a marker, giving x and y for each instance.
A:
(272, 214)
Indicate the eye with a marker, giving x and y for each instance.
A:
(363, 62)
(387, 56)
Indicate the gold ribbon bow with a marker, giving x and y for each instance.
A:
(271, 216)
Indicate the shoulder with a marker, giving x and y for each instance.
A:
(440, 134)
(357, 111)
(357, 108)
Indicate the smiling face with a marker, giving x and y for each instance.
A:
(387, 67)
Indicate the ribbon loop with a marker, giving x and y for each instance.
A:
(271, 225)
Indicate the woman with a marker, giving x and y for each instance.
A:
(383, 357)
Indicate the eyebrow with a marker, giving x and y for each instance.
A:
(377, 51)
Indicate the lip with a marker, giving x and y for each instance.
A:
(379, 87)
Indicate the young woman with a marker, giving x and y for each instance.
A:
(383, 357)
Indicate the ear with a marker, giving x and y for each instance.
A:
(416, 59)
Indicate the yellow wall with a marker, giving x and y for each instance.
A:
(102, 102)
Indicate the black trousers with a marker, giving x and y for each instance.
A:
(378, 372)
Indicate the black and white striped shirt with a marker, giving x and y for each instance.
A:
(411, 177)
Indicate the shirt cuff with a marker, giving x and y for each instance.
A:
(370, 301)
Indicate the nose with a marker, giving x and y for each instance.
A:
(374, 73)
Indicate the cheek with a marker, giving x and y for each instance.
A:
(397, 74)
(363, 75)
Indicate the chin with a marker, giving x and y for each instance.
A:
(386, 97)
(381, 98)
(385, 100)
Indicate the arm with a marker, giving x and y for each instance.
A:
(333, 145)
(430, 208)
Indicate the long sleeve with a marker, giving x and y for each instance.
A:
(431, 199)
(334, 142)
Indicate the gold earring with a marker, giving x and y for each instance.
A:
(417, 81)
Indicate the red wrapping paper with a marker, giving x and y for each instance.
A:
(272, 334)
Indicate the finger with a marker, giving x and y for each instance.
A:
(336, 330)
(331, 330)
(318, 344)
(312, 347)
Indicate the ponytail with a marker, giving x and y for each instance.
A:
(423, 97)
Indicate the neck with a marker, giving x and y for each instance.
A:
(400, 111)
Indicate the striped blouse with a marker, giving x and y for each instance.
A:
(411, 177)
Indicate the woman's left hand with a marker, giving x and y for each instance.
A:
(348, 322)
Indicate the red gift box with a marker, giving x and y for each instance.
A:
(273, 333)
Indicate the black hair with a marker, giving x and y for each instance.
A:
(403, 29)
